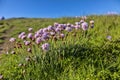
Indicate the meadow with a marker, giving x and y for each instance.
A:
(71, 53)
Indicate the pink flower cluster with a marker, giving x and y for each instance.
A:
(55, 32)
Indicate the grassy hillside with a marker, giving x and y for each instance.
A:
(80, 55)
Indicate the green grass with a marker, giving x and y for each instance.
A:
(74, 58)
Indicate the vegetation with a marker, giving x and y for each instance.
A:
(78, 56)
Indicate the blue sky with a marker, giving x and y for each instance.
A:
(56, 8)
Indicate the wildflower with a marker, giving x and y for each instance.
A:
(50, 28)
(77, 23)
(30, 29)
(1, 76)
(29, 49)
(45, 47)
(45, 29)
(68, 29)
(45, 36)
(92, 26)
(77, 27)
(52, 33)
(23, 33)
(38, 40)
(55, 24)
(23, 36)
(27, 43)
(37, 35)
(84, 26)
(109, 37)
(30, 36)
(12, 39)
(91, 22)
(19, 36)
(68, 24)
(40, 31)
(62, 35)
(64, 26)
(81, 21)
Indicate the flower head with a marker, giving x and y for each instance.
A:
(29, 49)
(77, 23)
(68, 29)
(109, 37)
(1, 77)
(27, 43)
(38, 40)
(23, 36)
(45, 47)
(84, 26)
(62, 35)
(30, 29)
(12, 39)
(81, 21)
(30, 36)
(50, 28)
(91, 22)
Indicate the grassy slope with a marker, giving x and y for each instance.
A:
(82, 58)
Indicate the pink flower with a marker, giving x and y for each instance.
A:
(68, 24)
(68, 29)
(85, 26)
(29, 49)
(50, 28)
(62, 35)
(1, 77)
(23, 36)
(77, 27)
(81, 21)
(55, 24)
(45, 36)
(38, 40)
(37, 35)
(92, 26)
(12, 39)
(52, 33)
(30, 29)
(27, 43)
(91, 22)
(57, 29)
(77, 23)
(45, 29)
(40, 31)
(29, 36)
(45, 47)
(23, 33)
(109, 37)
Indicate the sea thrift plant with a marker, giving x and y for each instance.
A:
(27, 43)
(53, 32)
(45, 47)
(85, 26)
(30, 29)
